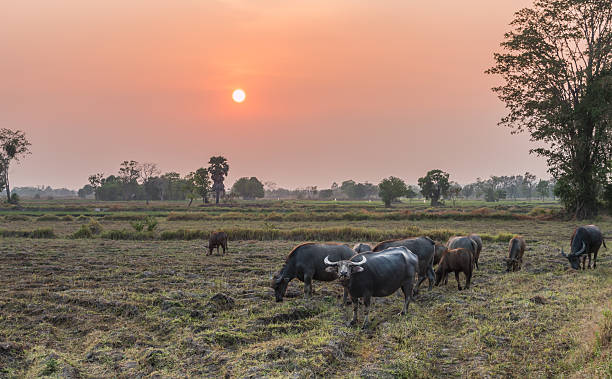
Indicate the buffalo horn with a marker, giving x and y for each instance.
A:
(328, 262)
(581, 251)
(363, 260)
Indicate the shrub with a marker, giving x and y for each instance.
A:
(67, 218)
(16, 218)
(83, 232)
(82, 218)
(138, 225)
(151, 223)
(94, 226)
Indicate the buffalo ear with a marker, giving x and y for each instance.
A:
(331, 269)
(357, 269)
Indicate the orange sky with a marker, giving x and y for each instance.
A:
(335, 90)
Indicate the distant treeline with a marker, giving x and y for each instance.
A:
(43, 192)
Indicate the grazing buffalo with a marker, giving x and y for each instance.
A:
(586, 240)
(464, 243)
(376, 274)
(217, 239)
(439, 251)
(305, 262)
(516, 249)
(456, 260)
(423, 248)
(476, 238)
(362, 248)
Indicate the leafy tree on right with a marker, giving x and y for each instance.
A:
(556, 64)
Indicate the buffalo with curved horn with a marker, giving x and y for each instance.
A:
(376, 274)
(585, 241)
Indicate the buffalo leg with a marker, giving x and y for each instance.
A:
(421, 280)
(595, 259)
(468, 279)
(589, 266)
(407, 290)
(366, 302)
(457, 277)
(307, 285)
(431, 276)
(583, 261)
(355, 309)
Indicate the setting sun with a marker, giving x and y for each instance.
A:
(238, 95)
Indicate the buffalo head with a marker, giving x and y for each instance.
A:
(344, 269)
(279, 285)
(574, 258)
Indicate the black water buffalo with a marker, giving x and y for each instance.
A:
(464, 243)
(456, 260)
(217, 239)
(476, 238)
(516, 249)
(423, 248)
(305, 262)
(439, 251)
(376, 274)
(362, 248)
(586, 240)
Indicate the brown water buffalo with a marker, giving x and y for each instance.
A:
(217, 239)
(516, 249)
(456, 260)
(362, 248)
(585, 241)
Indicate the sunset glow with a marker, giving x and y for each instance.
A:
(238, 95)
(403, 80)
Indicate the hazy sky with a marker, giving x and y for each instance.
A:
(335, 90)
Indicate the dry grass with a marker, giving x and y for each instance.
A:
(118, 308)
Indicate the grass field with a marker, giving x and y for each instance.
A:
(150, 307)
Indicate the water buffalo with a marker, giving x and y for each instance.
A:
(456, 260)
(464, 243)
(362, 248)
(423, 248)
(217, 239)
(376, 274)
(305, 262)
(476, 238)
(586, 240)
(516, 249)
(439, 251)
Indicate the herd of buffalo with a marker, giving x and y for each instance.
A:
(367, 272)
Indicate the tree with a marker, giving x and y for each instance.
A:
(410, 193)
(147, 171)
(453, 191)
(13, 146)
(556, 66)
(390, 189)
(248, 189)
(218, 169)
(201, 183)
(96, 181)
(85, 191)
(434, 185)
(542, 188)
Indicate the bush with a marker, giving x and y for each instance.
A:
(67, 218)
(83, 232)
(16, 218)
(138, 225)
(82, 218)
(94, 226)
(151, 223)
